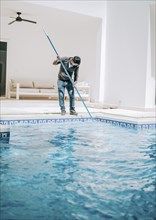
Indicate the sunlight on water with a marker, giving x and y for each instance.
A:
(78, 171)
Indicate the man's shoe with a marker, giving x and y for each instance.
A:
(63, 112)
(73, 112)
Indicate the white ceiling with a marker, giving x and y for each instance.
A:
(43, 15)
(91, 8)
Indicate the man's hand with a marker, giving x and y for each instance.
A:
(55, 61)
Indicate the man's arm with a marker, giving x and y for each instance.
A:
(76, 76)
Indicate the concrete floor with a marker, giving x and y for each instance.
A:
(25, 109)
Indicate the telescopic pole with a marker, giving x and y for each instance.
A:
(68, 74)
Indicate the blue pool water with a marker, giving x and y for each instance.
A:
(78, 171)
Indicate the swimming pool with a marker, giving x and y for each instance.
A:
(78, 171)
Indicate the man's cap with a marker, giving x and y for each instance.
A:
(77, 60)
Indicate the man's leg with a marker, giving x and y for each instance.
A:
(61, 90)
(70, 90)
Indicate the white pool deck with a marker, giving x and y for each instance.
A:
(42, 109)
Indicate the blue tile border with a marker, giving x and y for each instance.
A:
(42, 121)
(126, 124)
(82, 119)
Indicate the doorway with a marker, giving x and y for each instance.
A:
(3, 61)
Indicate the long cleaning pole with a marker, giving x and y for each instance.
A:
(68, 74)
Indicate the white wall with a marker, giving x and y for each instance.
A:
(94, 40)
(113, 40)
(152, 50)
(150, 75)
(30, 55)
(127, 54)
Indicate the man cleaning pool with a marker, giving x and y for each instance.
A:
(72, 66)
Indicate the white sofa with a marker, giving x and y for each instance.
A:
(39, 88)
(32, 88)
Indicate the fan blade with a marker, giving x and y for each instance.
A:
(11, 22)
(29, 21)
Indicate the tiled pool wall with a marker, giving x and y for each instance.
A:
(5, 124)
(82, 119)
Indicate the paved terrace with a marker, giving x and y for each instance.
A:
(42, 109)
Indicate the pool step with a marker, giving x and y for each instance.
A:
(4, 134)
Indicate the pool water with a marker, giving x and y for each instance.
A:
(78, 171)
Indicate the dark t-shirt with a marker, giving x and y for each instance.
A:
(70, 69)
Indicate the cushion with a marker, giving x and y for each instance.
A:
(29, 90)
(24, 83)
(48, 91)
(43, 84)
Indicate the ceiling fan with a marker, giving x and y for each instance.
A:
(19, 19)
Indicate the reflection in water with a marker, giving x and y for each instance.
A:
(64, 160)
